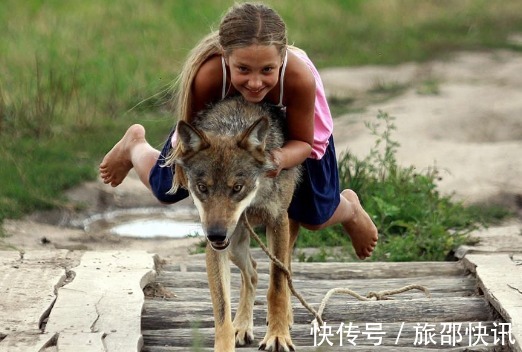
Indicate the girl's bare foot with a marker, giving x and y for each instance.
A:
(117, 162)
(361, 228)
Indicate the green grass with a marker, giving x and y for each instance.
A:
(36, 171)
(75, 74)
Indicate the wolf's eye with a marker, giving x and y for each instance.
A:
(202, 188)
(237, 188)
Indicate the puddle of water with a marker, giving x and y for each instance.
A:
(146, 223)
(158, 228)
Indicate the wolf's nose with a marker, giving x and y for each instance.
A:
(216, 234)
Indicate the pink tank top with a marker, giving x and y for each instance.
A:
(323, 122)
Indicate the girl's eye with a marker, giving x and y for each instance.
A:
(202, 188)
(237, 188)
(242, 69)
(268, 69)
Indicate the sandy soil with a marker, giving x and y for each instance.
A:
(471, 129)
(463, 115)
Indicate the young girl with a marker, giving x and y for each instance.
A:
(249, 55)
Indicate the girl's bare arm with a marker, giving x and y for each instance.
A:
(299, 98)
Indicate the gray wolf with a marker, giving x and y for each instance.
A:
(225, 157)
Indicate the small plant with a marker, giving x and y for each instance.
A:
(197, 337)
(430, 86)
(415, 221)
(385, 90)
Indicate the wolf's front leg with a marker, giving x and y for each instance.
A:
(218, 271)
(240, 255)
(279, 317)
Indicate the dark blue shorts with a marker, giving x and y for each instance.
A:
(317, 195)
(160, 178)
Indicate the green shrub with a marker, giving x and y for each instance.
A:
(415, 221)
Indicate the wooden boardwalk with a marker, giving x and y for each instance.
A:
(456, 318)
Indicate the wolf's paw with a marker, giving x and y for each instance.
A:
(275, 343)
(244, 336)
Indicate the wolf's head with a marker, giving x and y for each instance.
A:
(223, 174)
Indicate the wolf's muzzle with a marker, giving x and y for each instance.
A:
(217, 237)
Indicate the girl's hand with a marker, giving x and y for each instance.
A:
(276, 155)
(292, 154)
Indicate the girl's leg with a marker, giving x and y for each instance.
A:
(132, 151)
(355, 221)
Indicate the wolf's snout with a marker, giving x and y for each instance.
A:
(217, 237)
(216, 234)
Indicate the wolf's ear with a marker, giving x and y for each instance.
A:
(191, 139)
(254, 138)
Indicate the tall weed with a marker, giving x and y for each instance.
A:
(44, 106)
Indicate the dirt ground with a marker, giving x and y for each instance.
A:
(462, 115)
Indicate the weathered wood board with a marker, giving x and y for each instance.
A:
(500, 278)
(101, 308)
(28, 286)
(410, 322)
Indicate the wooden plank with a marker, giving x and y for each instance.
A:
(501, 280)
(81, 342)
(316, 295)
(28, 284)
(25, 341)
(391, 334)
(351, 270)
(170, 314)
(187, 319)
(105, 300)
(177, 282)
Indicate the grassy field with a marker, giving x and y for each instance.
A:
(74, 74)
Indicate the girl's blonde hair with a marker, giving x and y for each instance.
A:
(243, 25)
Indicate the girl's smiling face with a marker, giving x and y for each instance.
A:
(254, 70)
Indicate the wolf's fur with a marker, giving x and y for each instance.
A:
(225, 158)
